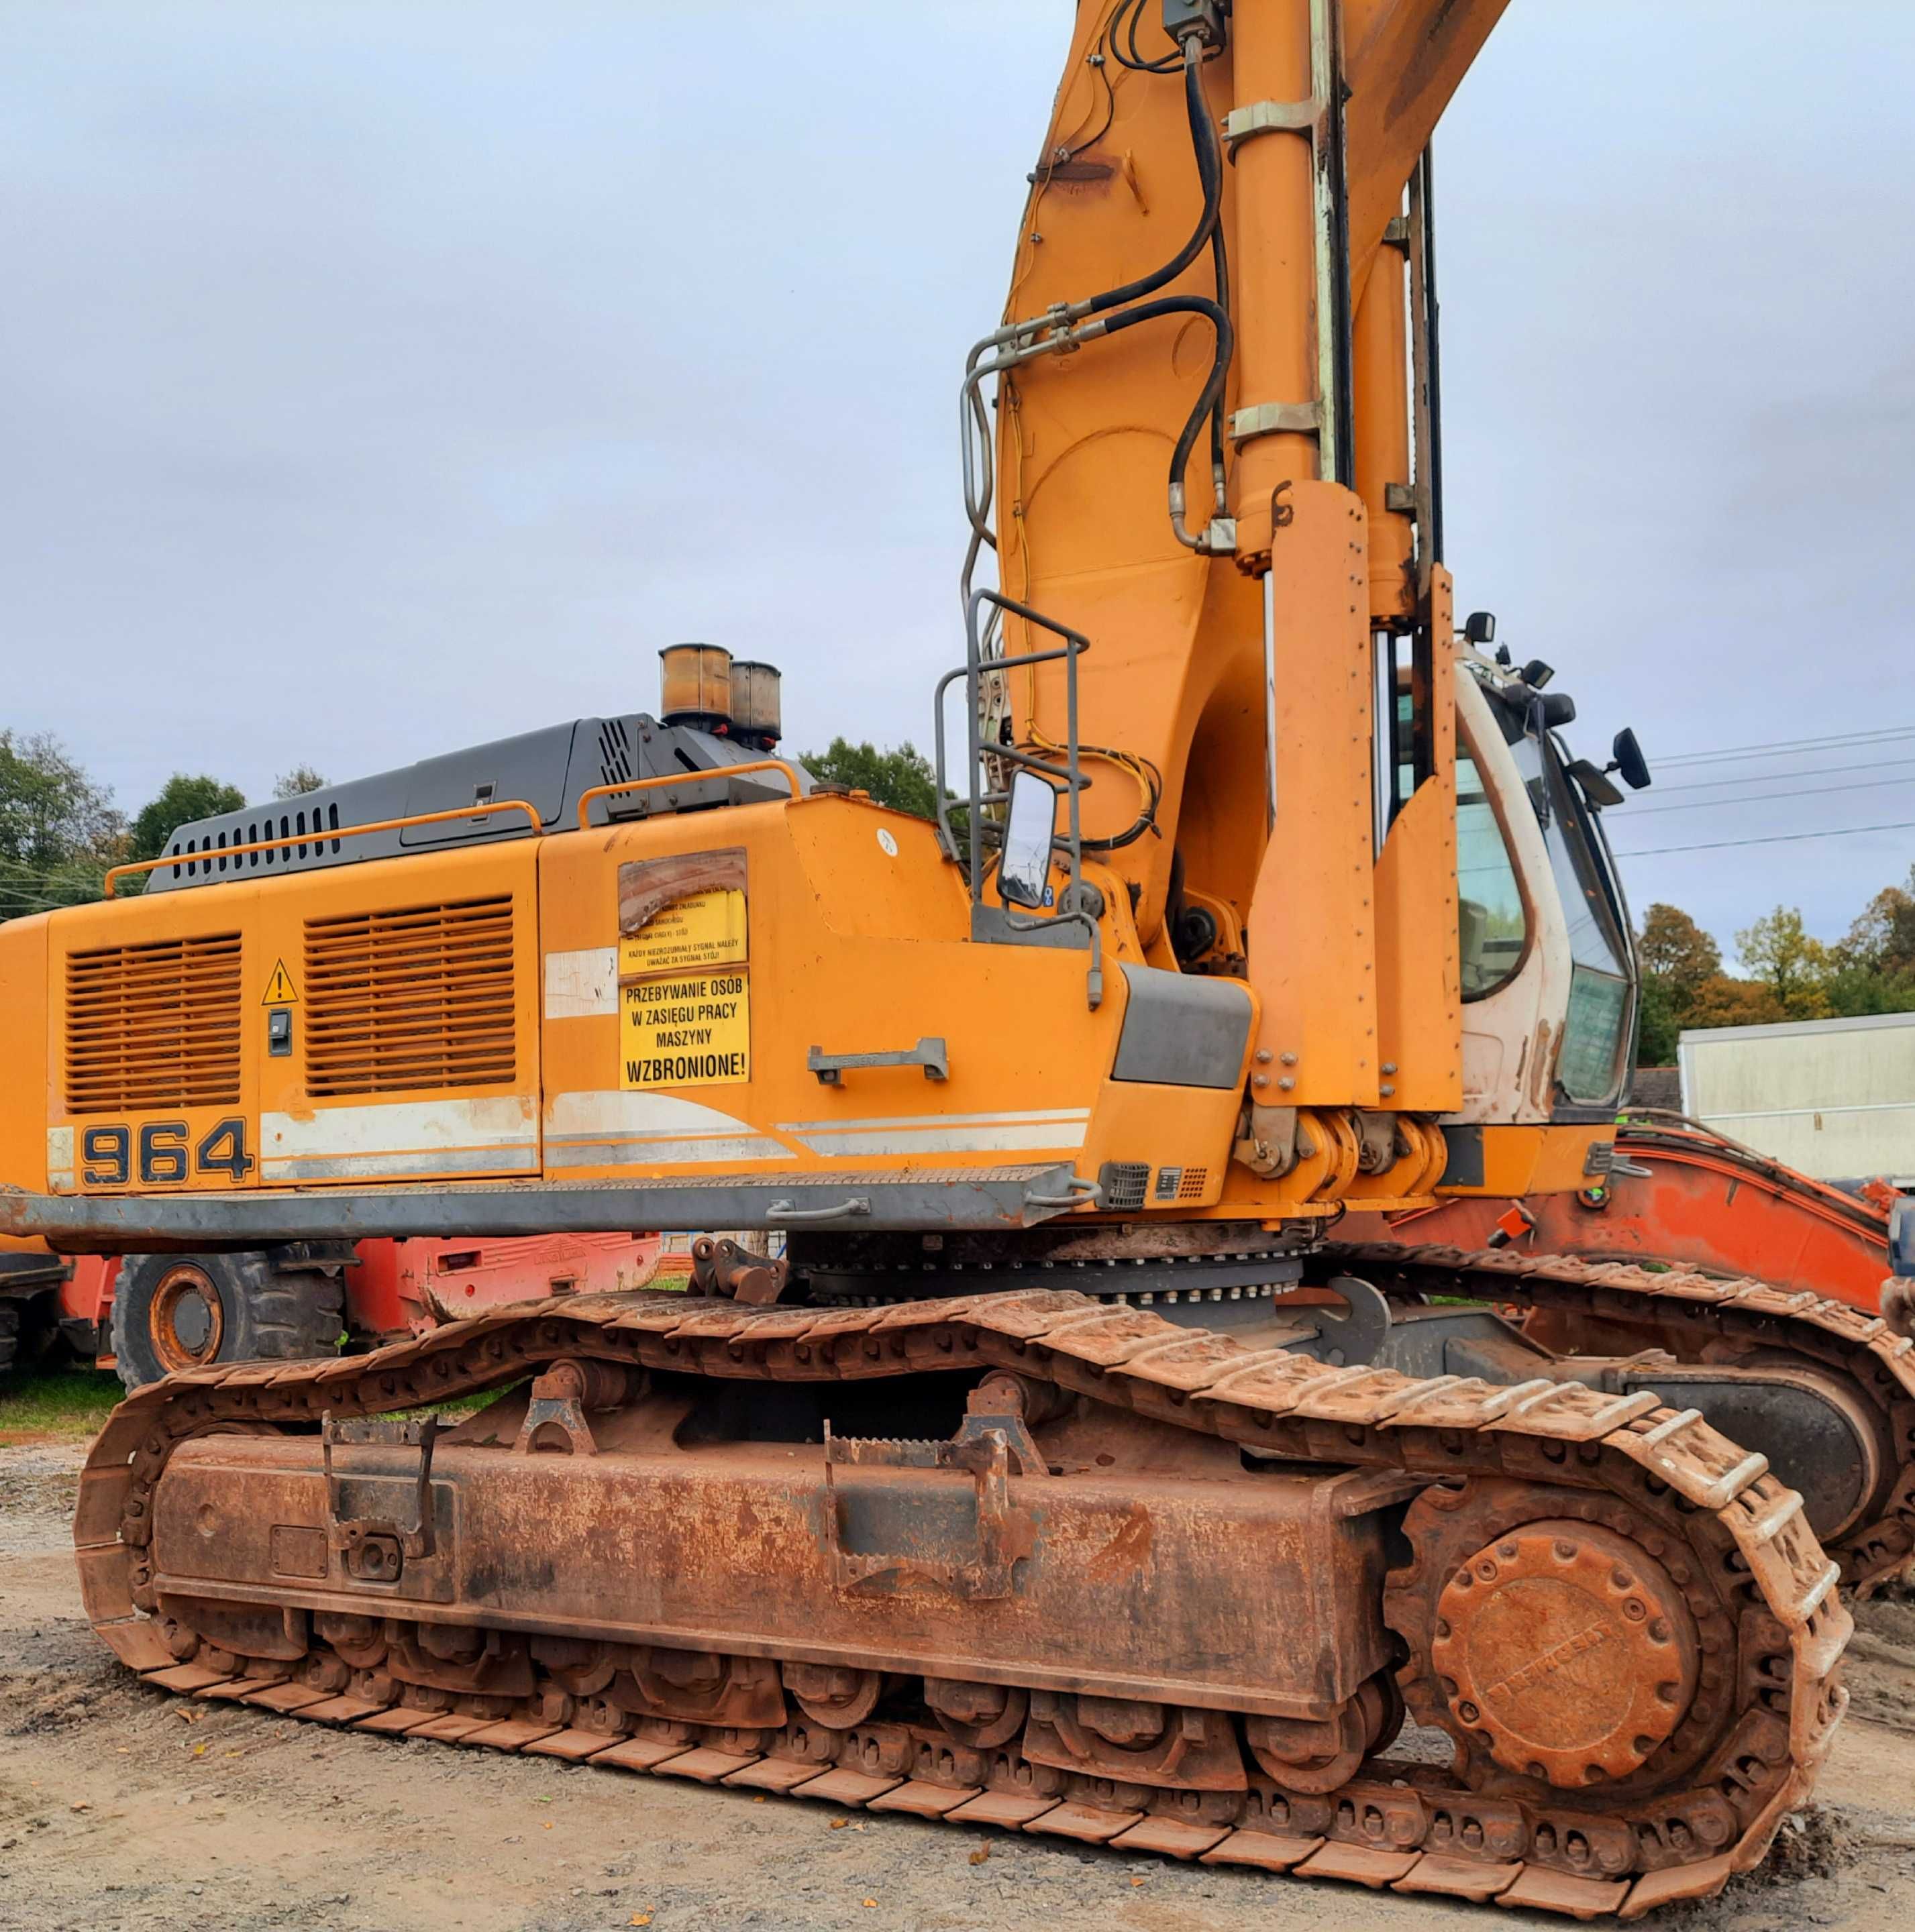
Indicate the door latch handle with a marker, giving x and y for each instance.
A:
(929, 1053)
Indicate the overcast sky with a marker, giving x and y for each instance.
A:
(379, 379)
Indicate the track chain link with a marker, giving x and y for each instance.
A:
(1862, 1346)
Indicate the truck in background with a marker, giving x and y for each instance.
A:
(1833, 1098)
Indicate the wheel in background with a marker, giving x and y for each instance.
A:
(175, 1312)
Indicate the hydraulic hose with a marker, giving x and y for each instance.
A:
(1210, 173)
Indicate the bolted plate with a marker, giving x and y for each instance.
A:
(1573, 1653)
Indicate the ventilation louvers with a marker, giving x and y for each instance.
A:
(154, 1025)
(415, 997)
(614, 751)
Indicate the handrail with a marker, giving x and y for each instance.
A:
(288, 840)
(976, 666)
(585, 798)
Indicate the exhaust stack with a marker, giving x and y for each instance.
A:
(756, 714)
(695, 687)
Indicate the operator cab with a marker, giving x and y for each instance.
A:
(1544, 926)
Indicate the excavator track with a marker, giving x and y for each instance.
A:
(1661, 1522)
(1688, 1311)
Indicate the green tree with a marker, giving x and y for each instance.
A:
(902, 779)
(1658, 1024)
(296, 783)
(1789, 960)
(58, 830)
(51, 812)
(181, 801)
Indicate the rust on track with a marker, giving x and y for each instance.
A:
(1668, 1570)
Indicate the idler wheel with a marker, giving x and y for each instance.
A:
(1567, 1649)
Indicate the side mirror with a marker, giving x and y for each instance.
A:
(1629, 761)
(1480, 627)
(1594, 782)
(1024, 870)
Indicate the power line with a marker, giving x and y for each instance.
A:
(1758, 778)
(1778, 839)
(1886, 734)
(1761, 797)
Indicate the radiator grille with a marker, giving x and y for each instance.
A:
(420, 996)
(151, 1026)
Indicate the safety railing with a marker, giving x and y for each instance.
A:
(331, 834)
(587, 799)
(980, 831)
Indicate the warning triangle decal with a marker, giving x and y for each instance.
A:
(279, 988)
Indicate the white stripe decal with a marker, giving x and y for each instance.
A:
(933, 1121)
(711, 1150)
(495, 1136)
(617, 1115)
(375, 1166)
(957, 1140)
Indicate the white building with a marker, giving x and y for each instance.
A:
(1834, 1098)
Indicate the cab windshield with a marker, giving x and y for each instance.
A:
(1590, 1067)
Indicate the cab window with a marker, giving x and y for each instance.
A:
(1492, 927)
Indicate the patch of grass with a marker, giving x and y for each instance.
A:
(65, 1405)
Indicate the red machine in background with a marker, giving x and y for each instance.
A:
(159, 1313)
(1681, 1195)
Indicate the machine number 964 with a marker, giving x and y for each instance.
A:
(162, 1151)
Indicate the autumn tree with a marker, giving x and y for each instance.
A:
(1789, 960)
(1674, 948)
(1678, 960)
(1883, 939)
(296, 783)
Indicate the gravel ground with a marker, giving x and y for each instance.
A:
(123, 1810)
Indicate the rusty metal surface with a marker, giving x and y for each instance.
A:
(736, 1545)
(1700, 1521)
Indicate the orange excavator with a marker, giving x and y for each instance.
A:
(1060, 1476)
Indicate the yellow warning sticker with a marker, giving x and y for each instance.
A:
(706, 929)
(279, 988)
(688, 1030)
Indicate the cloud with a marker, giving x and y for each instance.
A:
(380, 380)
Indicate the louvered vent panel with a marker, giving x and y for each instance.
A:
(420, 996)
(153, 1026)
